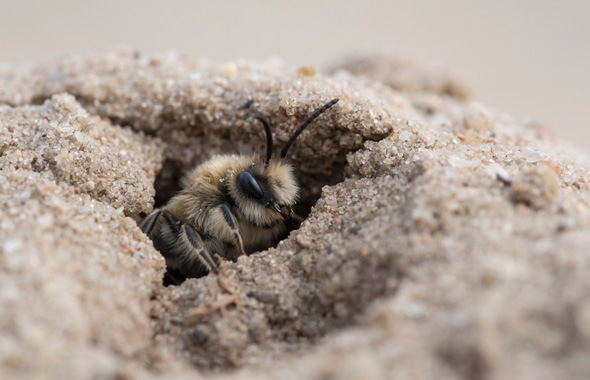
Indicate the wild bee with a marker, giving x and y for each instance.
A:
(230, 205)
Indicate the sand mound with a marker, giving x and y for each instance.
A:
(446, 240)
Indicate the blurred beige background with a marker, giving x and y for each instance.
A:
(529, 58)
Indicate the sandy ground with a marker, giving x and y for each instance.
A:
(445, 240)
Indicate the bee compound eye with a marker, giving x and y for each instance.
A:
(250, 185)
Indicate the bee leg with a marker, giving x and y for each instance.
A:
(195, 239)
(149, 222)
(189, 234)
(231, 221)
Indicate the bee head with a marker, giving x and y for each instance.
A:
(273, 184)
(274, 187)
(266, 190)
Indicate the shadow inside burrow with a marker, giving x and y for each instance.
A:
(311, 173)
(168, 183)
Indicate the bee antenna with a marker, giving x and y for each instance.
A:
(264, 122)
(309, 120)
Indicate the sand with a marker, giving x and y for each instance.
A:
(444, 240)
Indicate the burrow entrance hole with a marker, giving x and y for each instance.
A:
(167, 184)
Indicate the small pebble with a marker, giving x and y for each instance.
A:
(306, 71)
(477, 117)
(304, 241)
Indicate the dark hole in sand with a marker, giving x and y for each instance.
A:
(167, 184)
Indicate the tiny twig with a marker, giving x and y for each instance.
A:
(200, 311)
